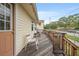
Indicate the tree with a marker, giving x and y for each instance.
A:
(62, 22)
(69, 22)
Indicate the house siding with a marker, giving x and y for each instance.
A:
(23, 27)
(40, 26)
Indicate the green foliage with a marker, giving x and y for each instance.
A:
(72, 37)
(50, 26)
(70, 22)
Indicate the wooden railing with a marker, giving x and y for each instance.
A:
(67, 46)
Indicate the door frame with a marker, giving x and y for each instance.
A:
(14, 27)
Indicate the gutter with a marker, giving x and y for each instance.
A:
(35, 10)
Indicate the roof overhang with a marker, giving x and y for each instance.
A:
(31, 10)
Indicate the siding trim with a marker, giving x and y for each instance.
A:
(14, 28)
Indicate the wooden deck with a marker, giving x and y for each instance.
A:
(45, 48)
(51, 44)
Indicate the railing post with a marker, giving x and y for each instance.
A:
(72, 53)
(62, 40)
(69, 49)
(66, 48)
(75, 52)
(63, 44)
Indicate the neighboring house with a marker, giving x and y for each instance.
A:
(40, 25)
(16, 21)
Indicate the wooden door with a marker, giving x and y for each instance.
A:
(6, 43)
(6, 29)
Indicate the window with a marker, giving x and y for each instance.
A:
(32, 26)
(5, 16)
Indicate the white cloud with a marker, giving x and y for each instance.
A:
(48, 16)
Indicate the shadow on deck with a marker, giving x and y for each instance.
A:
(51, 44)
(45, 48)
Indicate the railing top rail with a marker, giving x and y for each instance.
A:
(66, 39)
(71, 42)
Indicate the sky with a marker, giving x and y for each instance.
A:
(53, 11)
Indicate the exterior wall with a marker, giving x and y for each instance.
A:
(23, 27)
(40, 26)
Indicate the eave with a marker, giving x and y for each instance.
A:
(31, 10)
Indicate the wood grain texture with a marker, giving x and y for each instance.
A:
(6, 43)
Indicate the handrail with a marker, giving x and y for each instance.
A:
(68, 47)
(67, 40)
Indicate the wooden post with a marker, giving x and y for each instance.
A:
(75, 52)
(66, 48)
(63, 44)
(69, 49)
(62, 40)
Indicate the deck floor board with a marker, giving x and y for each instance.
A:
(45, 47)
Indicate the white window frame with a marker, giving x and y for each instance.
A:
(10, 20)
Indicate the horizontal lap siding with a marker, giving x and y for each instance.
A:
(41, 26)
(23, 27)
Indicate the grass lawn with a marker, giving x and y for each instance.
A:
(72, 37)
